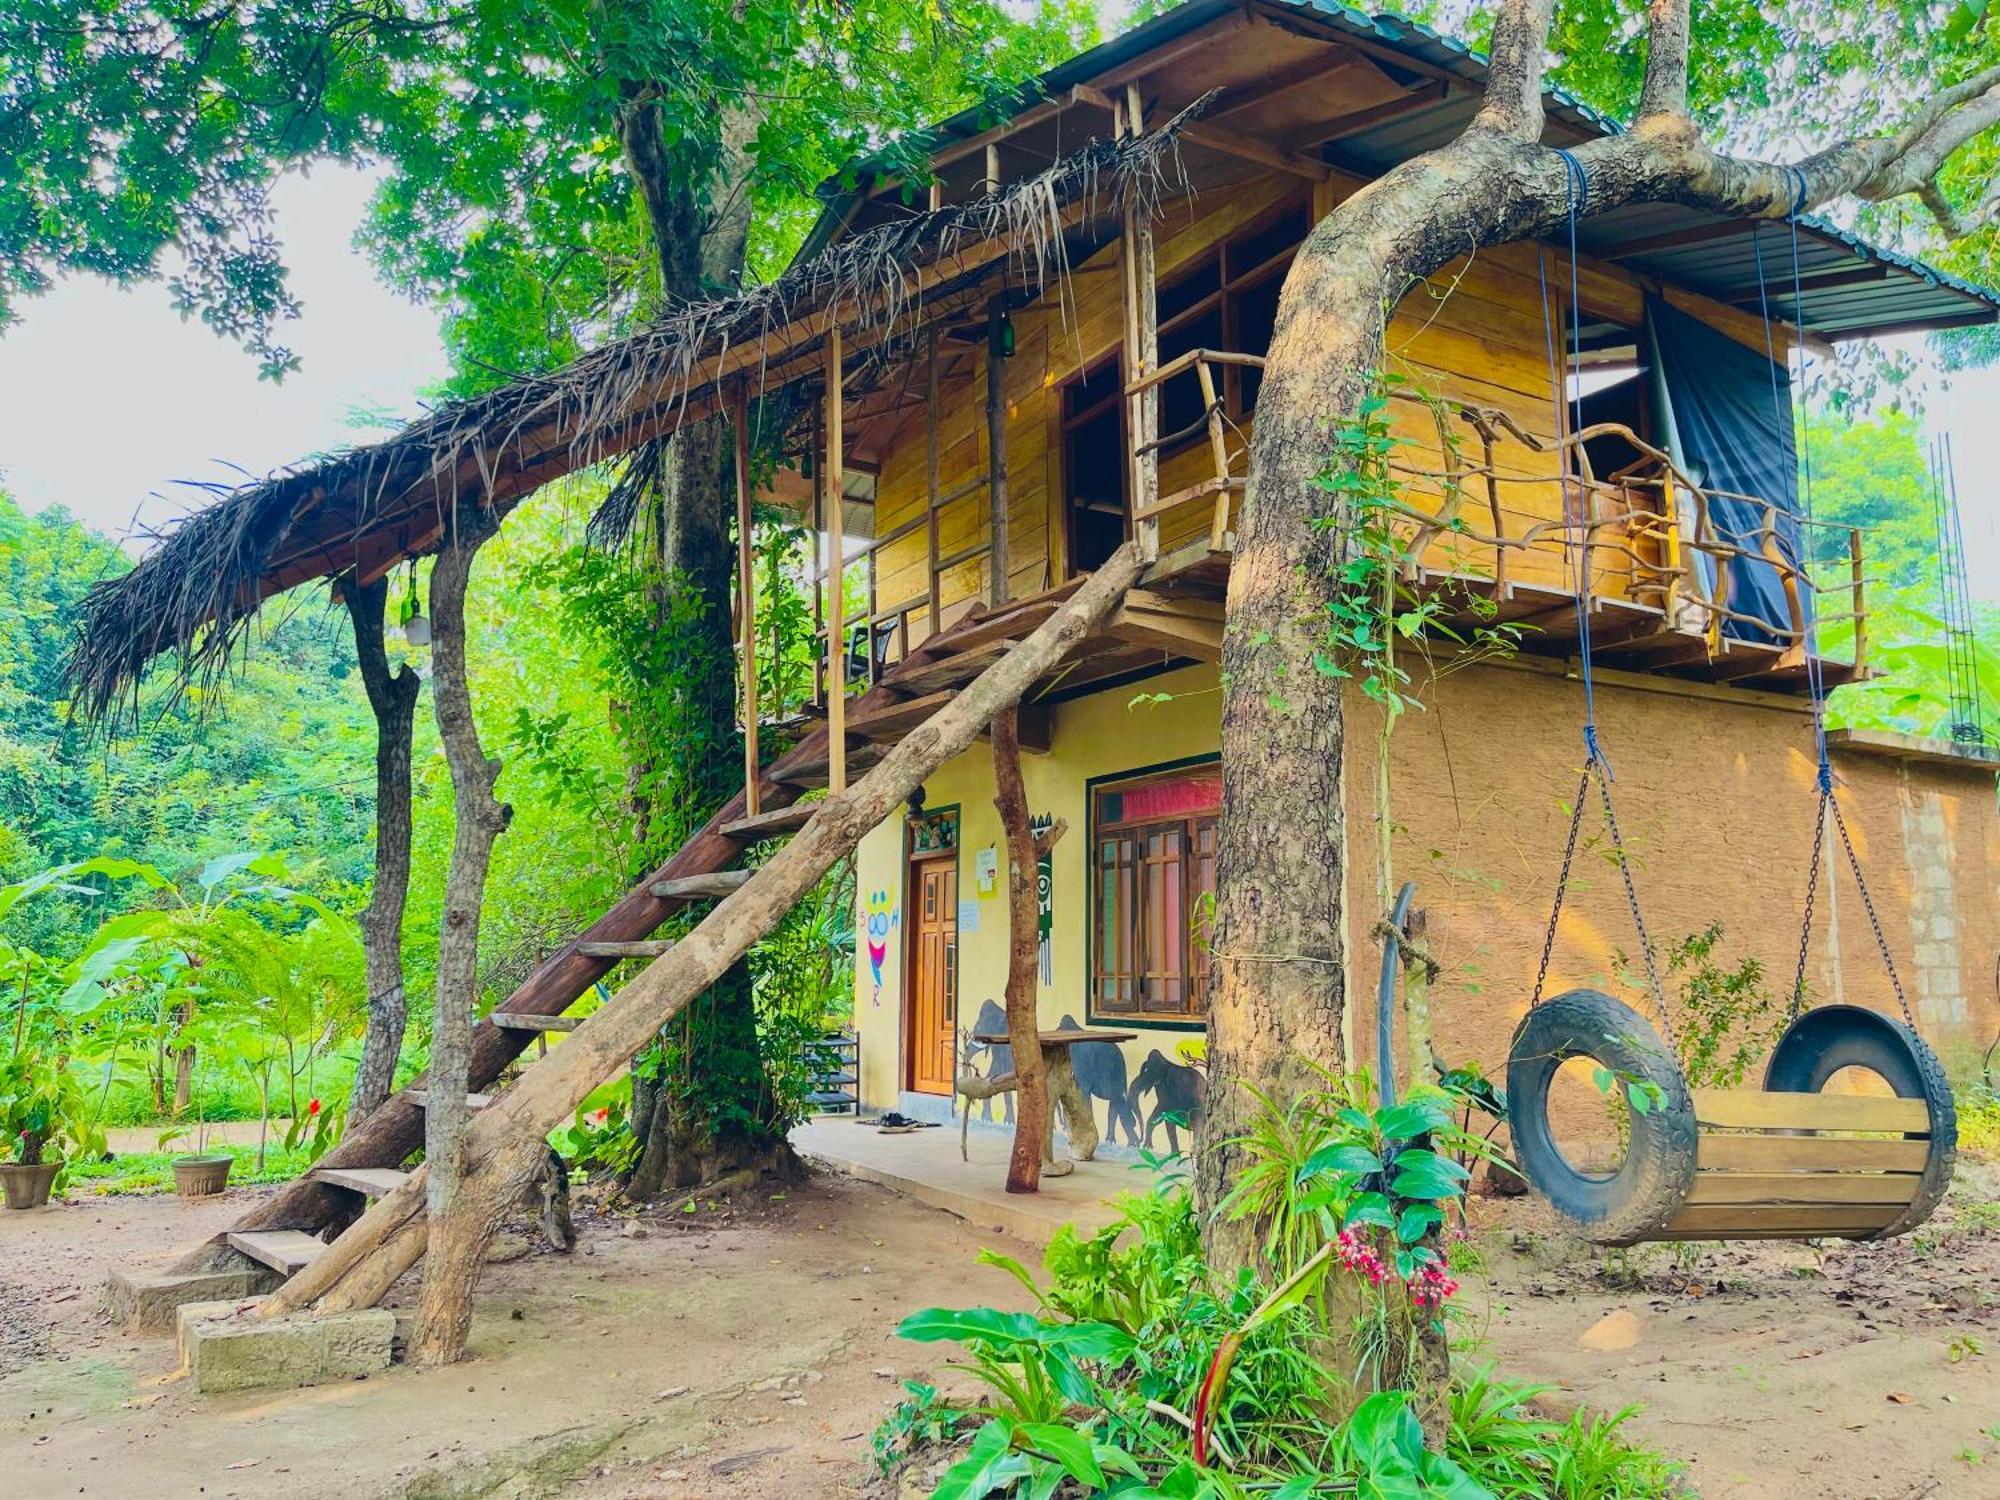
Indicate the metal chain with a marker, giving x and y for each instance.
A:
(1638, 916)
(1562, 886)
(1874, 922)
(1594, 767)
(1806, 927)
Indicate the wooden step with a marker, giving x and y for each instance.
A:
(811, 773)
(947, 672)
(710, 887)
(287, 1251)
(422, 1099)
(644, 948)
(772, 824)
(374, 1182)
(891, 721)
(515, 1021)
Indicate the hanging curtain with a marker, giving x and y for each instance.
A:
(1732, 427)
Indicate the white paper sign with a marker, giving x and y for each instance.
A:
(968, 916)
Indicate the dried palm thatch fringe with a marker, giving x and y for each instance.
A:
(196, 596)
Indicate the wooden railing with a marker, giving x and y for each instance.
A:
(1214, 420)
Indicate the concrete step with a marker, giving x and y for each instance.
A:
(375, 1182)
(286, 1251)
(422, 1099)
(514, 1021)
(710, 887)
(644, 948)
(773, 824)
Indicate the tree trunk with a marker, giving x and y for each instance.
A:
(711, 1111)
(392, 697)
(1031, 1115)
(457, 1240)
(505, 1147)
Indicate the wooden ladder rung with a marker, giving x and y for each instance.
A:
(286, 1251)
(773, 824)
(712, 886)
(516, 1021)
(644, 948)
(422, 1099)
(374, 1182)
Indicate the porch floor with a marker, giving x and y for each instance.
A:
(925, 1165)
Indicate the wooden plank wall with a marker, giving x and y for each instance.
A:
(1474, 333)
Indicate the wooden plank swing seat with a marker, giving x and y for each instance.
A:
(1799, 1166)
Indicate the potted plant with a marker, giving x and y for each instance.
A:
(198, 1173)
(41, 1106)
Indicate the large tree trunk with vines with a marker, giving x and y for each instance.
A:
(1280, 995)
(702, 1105)
(392, 696)
(456, 1240)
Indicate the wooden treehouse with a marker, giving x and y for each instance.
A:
(1028, 390)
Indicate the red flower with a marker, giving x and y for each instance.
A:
(313, 1108)
(602, 1115)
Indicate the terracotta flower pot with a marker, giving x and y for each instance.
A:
(28, 1186)
(201, 1176)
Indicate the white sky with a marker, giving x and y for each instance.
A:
(111, 397)
(108, 398)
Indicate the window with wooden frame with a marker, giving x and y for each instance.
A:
(1152, 884)
(1226, 299)
(1097, 510)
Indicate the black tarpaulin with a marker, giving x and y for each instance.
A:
(1732, 412)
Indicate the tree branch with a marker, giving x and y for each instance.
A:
(1666, 88)
(1513, 103)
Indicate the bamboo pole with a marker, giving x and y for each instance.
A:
(932, 458)
(836, 633)
(1142, 350)
(746, 596)
(996, 455)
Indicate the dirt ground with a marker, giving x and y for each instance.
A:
(747, 1351)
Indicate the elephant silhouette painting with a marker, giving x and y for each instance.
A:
(1177, 1097)
(1100, 1073)
(991, 1021)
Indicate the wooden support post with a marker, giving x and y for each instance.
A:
(1142, 350)
(932, 457)
(816, 564)
(746, 596)
(836, 633)
(996, 455)
(1859, 593)
(1031, 1116)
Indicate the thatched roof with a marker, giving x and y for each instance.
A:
(360, 512)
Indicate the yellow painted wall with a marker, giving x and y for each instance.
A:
(1715, 796)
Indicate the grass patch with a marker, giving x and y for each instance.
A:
(153, 1171)
(1979, 1121)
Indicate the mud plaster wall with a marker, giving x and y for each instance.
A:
(1714, 795)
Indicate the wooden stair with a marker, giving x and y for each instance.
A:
(640, 948)
(712, 886)
(370, 1182)
(520, 1021)
(422, 1099)
(770, 825)
(286, 1251)
(702, 869)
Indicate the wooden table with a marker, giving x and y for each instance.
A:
(1060, 1070)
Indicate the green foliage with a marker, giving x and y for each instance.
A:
(146, 1172)
(1725, 1018)
(1372, 608)
(1102, 1390)
(43, 1108)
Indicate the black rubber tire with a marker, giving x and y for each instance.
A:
(1823, 1041)
(1621, 1207)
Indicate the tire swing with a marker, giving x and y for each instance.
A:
(1785, 1161)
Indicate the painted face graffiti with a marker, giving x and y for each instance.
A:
(879, 920)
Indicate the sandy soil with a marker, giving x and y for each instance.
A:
(746, 1351)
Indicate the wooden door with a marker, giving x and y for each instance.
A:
(931, 1009)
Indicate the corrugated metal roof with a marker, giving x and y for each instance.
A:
(1713, 255)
